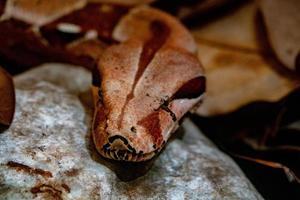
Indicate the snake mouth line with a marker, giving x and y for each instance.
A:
(125, 155)
(118, 148)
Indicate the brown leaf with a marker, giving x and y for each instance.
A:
(238, 71)
(282, 22)
(235, 78)
(236, 29)
(40, 12)
(7, 98)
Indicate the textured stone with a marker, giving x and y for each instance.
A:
(47, 153)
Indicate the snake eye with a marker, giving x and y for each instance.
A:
(96, 78)
(191, 89)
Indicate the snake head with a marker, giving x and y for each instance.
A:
(144, 85)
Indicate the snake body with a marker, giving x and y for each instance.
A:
(144, 82)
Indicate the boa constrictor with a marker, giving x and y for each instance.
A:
(145, 81)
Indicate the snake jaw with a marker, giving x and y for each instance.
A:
(117, 147)
(126, 155)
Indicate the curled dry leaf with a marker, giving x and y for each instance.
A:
(282, 20)
(40, 12)
(7, 100)
(236, 69)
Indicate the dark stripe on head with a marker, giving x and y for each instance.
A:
(160, 32)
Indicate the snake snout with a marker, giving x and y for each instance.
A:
(118, 142)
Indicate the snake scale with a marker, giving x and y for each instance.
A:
(145, 80)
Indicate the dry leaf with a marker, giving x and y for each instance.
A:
(282, 20)
(236, 78)
(40, 12)
(7, 99)
(236, 29)
(236, 69)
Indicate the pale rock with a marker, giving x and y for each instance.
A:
(47, 153)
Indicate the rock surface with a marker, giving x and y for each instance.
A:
(47, 153)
